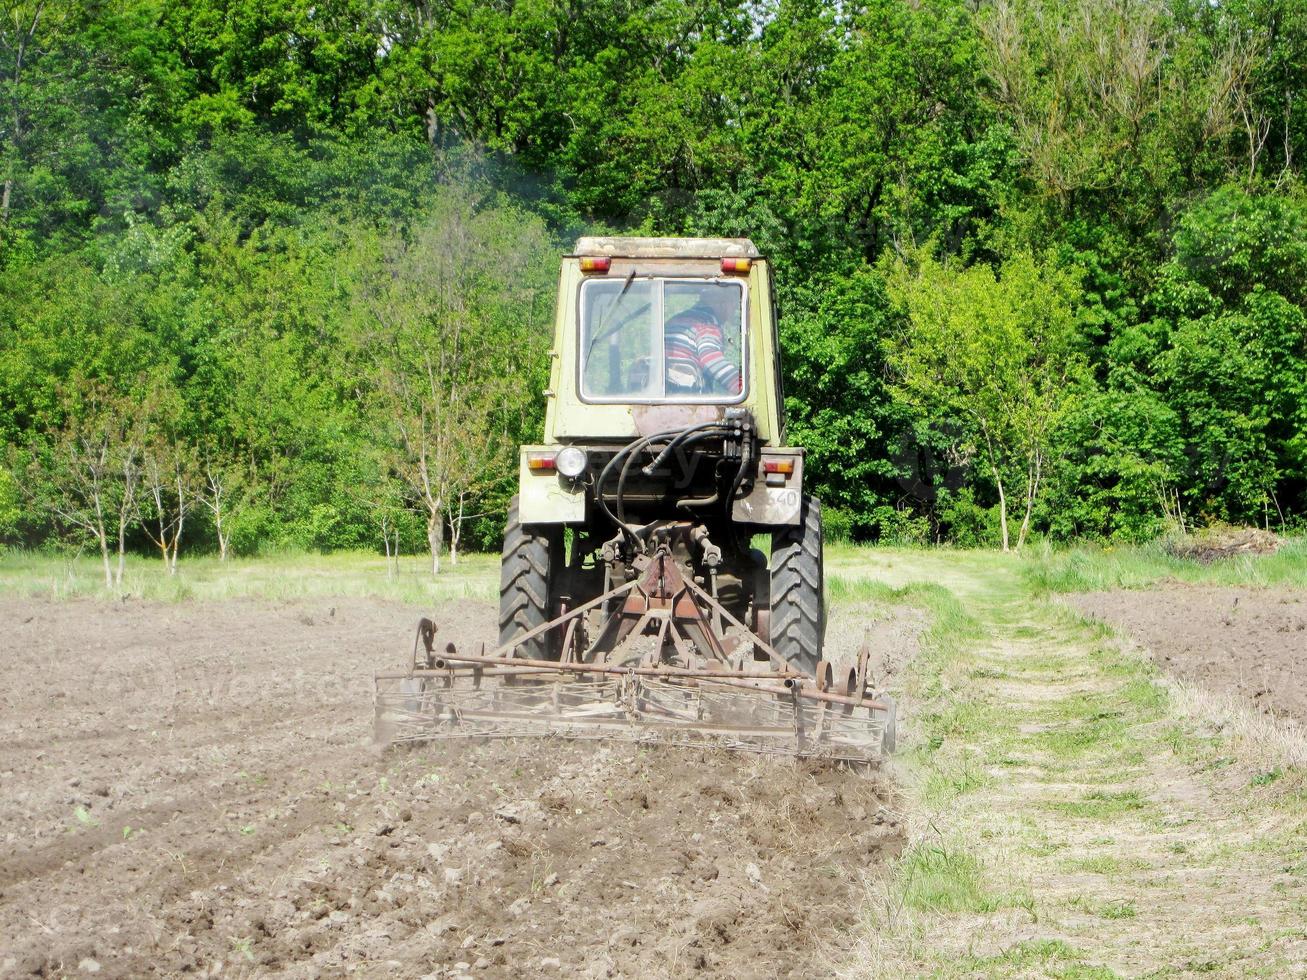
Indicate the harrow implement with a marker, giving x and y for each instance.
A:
(668, 663)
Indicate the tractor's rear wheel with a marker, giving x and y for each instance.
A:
(528, 571)
(798, 590)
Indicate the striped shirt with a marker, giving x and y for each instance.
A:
(696, 355)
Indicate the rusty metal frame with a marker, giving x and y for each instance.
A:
(684, 689)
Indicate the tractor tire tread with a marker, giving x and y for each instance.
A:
(524, 584)
(798, 601)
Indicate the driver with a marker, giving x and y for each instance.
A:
(697, 362)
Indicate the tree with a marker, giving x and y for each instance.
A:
(167, 474)
(445, 326)
(221, 492)
(89, 474)
(1122, 462)
(999, 352)
(1229, 352)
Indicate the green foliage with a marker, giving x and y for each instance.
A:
(11, 507)
(994, 355)
(1233, 364)
(207, 198)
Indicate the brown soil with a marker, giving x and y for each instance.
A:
(191, 788)
(1245, 641)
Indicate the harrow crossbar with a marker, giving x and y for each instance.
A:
(693, 685)
(633, 709)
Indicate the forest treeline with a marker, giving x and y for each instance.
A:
(280, 272)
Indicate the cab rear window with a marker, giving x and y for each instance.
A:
(656, 339)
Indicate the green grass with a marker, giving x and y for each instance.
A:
(933, 878)
(1100, 805)
(945, 782)
(1104, 864)
(895, 576)
(1118, 910)
(1087, 568)
(1042, 957)
(1007, 677)
(292, 576)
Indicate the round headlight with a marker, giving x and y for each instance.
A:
(570, 462)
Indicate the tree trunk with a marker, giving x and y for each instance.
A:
(161, 542)
(1025, 520)
(122, 550)
(181, 524)
(385, 540)
(435, 537)
(1002, 509)
(433, 123)
(104, 554)
(998, 482)
(1033, 475)
(214, 501)
(455, 532)
(176, 544)
(102, 536)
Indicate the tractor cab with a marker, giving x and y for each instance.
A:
(660, 335)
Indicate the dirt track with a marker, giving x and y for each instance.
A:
(1244, 641)
(191, 788)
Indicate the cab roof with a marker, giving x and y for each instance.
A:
(666, 248)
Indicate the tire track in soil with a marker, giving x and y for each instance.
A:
(268, 838)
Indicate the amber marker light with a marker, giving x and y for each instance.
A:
(540, 462)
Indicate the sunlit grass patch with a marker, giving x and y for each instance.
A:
(1057, 760)
(947, 781)
(935, 878)
(1100, 735)
(1100, 805)
(1118, 910)
(1098, 864)
(1088, 568)
(842, 589)
(284, 576)
(1036, 957)
(960, 720)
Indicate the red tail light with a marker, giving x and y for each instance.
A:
(540, 462)
(733, 266)
(784, 464)
(595, 263)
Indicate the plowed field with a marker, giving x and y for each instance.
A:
(191, 788)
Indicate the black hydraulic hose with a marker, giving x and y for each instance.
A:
(620, 454)
(626, 451)
(676, 438)
(621, 488)
(704, 431)
(686, 436)
(689, 434)
(746, 456)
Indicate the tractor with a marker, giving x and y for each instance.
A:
(635, 600)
